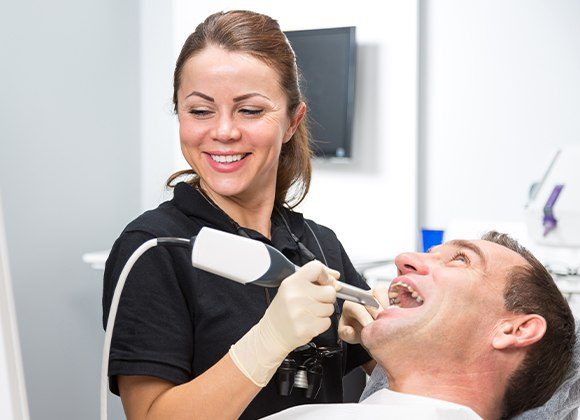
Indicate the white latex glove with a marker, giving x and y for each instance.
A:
(300, 311)
(355, 316)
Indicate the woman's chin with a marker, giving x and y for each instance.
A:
(237, 186)
(225, 188)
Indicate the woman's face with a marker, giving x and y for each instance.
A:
(233, 121)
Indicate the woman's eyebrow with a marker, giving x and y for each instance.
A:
(201, 95)
(236, 99)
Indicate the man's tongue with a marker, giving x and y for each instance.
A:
(407, 301)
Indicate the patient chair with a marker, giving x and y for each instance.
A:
(562, 406)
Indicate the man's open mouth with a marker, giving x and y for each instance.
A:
(404, 295)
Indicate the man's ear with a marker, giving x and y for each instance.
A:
(298, 116)
(519, 331)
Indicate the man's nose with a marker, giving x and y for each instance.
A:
(411, 262)
(226, 129)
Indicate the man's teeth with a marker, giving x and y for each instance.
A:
(227, 158)
(394, 294)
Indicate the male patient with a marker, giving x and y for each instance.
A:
(474, 329)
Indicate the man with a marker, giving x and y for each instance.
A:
(470, 329)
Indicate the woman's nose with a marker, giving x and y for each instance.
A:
(226, 129)
(411, 262)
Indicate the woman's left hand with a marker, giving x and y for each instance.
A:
(355, 316)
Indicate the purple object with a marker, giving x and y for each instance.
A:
(550, 222)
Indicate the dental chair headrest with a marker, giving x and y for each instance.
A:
(565, 402)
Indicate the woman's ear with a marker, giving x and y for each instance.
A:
(298, 116)
(520, 331)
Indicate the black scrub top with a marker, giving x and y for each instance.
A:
(174, 321)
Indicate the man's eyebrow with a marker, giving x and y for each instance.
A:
(460, 243)
(201, 95)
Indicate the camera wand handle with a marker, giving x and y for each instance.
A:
(249, 261)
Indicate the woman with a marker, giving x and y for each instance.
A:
(191, 344)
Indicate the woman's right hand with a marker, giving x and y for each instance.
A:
(300, 311)
(302, 307)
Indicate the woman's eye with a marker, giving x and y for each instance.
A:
(251, 111)
(200, 112)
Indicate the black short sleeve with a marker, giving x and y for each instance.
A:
(153, 332)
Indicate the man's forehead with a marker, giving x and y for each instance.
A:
(486, 250)
(498, 250)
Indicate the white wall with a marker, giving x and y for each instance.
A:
(157, 120)
(500, 90)
(69, 174)
(370, 202)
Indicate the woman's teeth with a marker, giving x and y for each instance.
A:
(227, 158)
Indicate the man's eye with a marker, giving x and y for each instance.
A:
(461, 257)
(249, 111)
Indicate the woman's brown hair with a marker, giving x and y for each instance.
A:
(261, 37)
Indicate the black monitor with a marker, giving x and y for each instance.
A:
(327, 61)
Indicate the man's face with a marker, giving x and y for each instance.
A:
(450, 303)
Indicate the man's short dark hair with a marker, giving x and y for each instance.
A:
(530, 289)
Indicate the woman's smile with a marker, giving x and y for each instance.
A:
(226, 162)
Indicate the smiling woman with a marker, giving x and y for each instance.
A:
(233, 120)
(188, 343)
(253, 44)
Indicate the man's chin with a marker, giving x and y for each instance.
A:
(391, 324)
(395, 312)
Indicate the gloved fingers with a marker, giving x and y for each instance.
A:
(334, 273)
(354, 317)
(324, 294)
(316, 272)
(320, 325)
(354, 312)
(328, 276)
(322, 310)
(348, 334)
(381, 294)
(373, 312)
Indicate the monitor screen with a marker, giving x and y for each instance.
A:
(327, 60)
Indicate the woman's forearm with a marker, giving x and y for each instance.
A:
(220, 392)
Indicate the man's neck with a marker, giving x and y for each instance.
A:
(479, 389)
